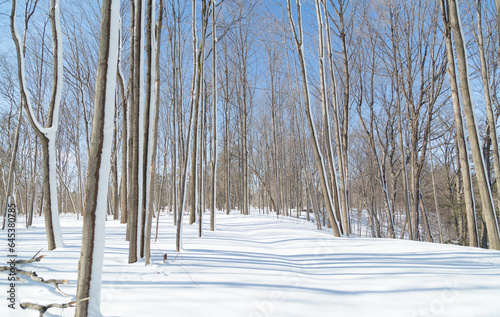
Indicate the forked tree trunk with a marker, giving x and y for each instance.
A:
(47, 134)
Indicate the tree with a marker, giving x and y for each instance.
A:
(47, 135)
(213, 188)
(298, 38)
(135, 193)
(326, 124)
(155, 82)
(199, 58)
(460, 137)
(488, 207)
(90, 265)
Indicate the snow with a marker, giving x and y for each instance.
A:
(259, 265)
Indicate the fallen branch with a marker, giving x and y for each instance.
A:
(43, 308)
(32, 260)
(36, 278)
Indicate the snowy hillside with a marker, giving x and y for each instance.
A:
(258, 265)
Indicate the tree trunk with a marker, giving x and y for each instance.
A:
(305, 86)
(96, 188)
(124, 169)
(436, 203)
(340, 212)
(47, 135)
(487, 97)
(133, 202)
(213, 195)
(10, 178)
(488, 206)
(470, 208)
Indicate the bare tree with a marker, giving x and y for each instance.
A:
(488, 206)
(47, 135)
(298, 38)
(155, 82)
(213, 188)
(90, 265)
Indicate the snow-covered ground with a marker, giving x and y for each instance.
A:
(258, 265)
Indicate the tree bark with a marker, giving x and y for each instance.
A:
(133, 202)
(488, 207)
(155, 82)
(213, 194)
(90, 265)
(463, 154)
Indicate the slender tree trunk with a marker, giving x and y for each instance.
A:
(487, 97)
(488, 206)
(134, 192)
(213, 194)
(428, 232)
(124, 169)
(114, 168)
(400, 128)
(344, 126)
(155, 80)
(34, 192)
(10, 178)
(305, 86)
(340, 212)
(92, 254)
(147, 132)
(436, 202)
(130, 118)
(463, 154)
(199, 57)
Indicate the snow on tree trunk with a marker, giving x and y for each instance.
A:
(47, 134)
(96, 189)
(153, 136)
(148, 120)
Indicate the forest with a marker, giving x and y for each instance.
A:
(329, 110)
